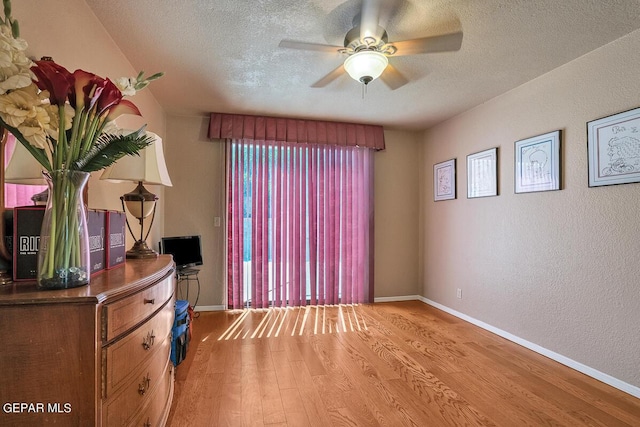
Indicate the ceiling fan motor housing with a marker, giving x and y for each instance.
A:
(353, 43)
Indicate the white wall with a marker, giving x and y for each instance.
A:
(197, 166)
(396, 192)
(559, 269)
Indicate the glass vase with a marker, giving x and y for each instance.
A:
(63, 255)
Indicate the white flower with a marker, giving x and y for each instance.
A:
(15, 72)
(126, 85)
(35, 128)
(29, 111)
(19, 105)
(54, 119)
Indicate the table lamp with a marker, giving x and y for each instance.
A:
(24, 169)
(147, 168)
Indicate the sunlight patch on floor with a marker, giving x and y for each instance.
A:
(308, 320)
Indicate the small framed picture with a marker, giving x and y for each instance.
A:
(444, 180)
(537, 165)
(613, 145)
(482, 173)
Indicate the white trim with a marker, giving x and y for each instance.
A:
(209, 308)
(394, 299)
(587, 370)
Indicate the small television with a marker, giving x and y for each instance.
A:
(186, 250)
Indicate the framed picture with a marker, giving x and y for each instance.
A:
(444, 180)
(482, 173)
(613, 145)
(537, 165)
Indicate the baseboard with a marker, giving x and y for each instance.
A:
(209, 308)
(394, 299)
(587, 370)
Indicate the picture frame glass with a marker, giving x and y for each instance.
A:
(482, 173)
(613, 145)
(444, 180)
(537, 163)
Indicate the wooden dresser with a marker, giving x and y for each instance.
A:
(95, 355)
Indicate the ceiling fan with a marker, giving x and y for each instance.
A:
(368, 49)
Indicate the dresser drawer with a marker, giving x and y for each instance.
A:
(124, 314)
(133, 350)
(157, 410)
(138, 389)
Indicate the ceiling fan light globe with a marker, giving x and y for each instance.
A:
(366, 65)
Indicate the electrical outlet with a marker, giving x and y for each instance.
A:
(459, 293)
(216, 221)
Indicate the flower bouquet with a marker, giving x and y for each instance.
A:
(62, 119)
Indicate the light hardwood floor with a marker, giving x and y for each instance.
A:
(384, 364)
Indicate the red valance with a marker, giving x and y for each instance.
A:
(262, 128)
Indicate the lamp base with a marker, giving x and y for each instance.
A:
(141, 250)
(5, 278)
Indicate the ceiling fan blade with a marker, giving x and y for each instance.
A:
(330, 77)
(392, 77)
(445, 43)
(292, 44)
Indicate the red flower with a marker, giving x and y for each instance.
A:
(81, 90)
(55, 79)
(124, 107)
(109, 96)
(84, 90)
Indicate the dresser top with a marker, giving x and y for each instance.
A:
(118, 282)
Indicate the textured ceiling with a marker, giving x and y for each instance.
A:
(223, 55)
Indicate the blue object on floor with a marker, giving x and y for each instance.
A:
(180, 333)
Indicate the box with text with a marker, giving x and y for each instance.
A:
(116, 251)
(27, 222)
(96, 223)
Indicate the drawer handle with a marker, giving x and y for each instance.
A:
(144, 385)
(147, 342)
(150, 301)
(147, 423)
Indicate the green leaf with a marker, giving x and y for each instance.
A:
(141, 82)
(15, 29)
(108, 149)
(8, 19)
(155, 76)
(7, 8)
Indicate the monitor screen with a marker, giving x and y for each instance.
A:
(186, 250)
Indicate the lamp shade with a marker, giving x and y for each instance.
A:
(149, 167)
(23, 168)
(366, 66)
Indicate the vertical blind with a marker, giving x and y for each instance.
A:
(299, 222)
